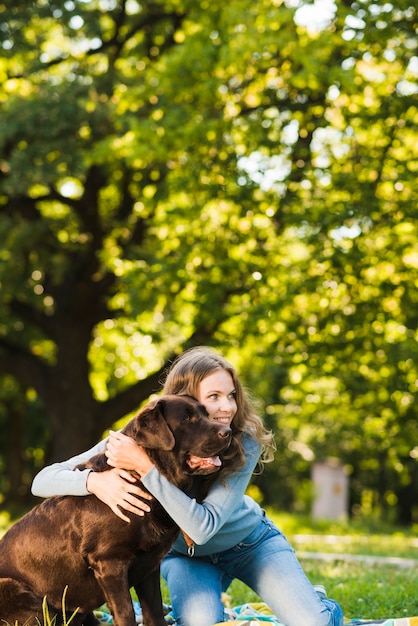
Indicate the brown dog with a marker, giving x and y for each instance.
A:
(79, 543)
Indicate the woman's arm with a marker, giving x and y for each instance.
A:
(113, 487)
(202, 521)
(60, 479)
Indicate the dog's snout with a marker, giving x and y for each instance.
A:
(224, 432)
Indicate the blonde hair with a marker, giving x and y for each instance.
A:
(184, 377)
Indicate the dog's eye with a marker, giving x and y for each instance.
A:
(187, 417)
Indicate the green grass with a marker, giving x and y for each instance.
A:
(364, 590)
(48, 621)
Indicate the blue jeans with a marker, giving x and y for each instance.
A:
(266, 563)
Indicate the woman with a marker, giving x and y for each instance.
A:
(233, 538)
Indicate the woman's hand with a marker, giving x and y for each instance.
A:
(116, 489)
(123, 452)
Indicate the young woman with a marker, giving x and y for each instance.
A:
(233, 537)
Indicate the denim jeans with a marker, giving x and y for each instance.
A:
(266, 563)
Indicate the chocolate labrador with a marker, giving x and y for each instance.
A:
(79, 545)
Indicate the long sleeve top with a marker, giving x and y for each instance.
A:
(224, 518)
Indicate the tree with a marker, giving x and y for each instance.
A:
(109, 264)
(179, 172)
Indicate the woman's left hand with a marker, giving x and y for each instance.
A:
(123, 452)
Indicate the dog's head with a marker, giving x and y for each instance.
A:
(179, 437)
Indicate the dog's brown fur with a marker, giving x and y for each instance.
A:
(79, 543)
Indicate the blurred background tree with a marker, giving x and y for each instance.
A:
(241, 175)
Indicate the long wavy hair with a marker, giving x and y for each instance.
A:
(184, 377)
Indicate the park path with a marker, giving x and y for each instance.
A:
(395, 561)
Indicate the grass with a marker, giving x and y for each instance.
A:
(48, 621)
(364, 590)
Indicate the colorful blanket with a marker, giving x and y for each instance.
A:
(257, 613)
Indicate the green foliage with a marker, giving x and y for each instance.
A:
(178, 172)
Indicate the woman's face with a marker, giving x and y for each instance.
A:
(217, 394)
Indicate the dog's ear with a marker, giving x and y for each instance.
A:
(151, 429)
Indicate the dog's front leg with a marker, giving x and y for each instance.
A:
(113, 580)
(149, 594)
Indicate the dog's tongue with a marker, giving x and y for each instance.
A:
(210, 461)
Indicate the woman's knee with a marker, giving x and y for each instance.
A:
(195, 588)
(199, 615)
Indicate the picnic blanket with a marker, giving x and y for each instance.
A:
(257, 614)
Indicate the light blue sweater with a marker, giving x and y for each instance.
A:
(224, 518)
